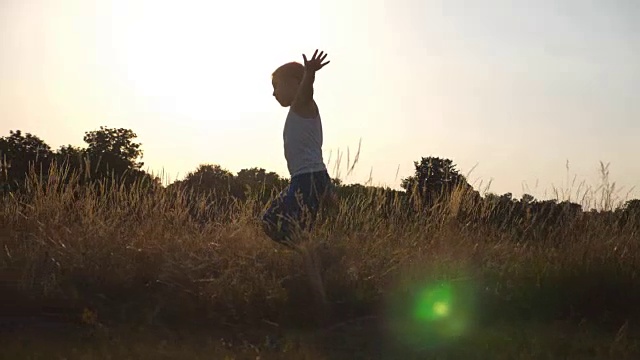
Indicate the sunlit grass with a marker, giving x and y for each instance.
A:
(115, 255)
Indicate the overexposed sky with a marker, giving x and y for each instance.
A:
(516, 88)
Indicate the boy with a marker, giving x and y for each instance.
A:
(296, 207)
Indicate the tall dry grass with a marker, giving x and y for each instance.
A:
(133, 255)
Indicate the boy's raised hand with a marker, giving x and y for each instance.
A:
(316, 62)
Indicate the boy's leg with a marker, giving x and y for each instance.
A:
(313, 270)
(320, 188)
(297, 205)
(291, 212)
(272, 223)
(279, 221)
(313, 189)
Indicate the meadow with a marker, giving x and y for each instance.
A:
(122, 272)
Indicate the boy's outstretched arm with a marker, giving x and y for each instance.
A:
(305, 91)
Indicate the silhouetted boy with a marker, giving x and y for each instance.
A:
(296, 207)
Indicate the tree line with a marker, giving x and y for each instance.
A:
(112, 156)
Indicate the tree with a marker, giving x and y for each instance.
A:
(211, 180)
(18, 153)
(527, 199)
(629, 214)
(632, 206)
(113, 150)
(71, 159)
(434, 178)
(259, 182)
(257, 178)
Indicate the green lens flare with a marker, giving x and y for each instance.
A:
(428, 313)
(441, 309)
(434, 303)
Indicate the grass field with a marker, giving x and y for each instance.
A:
(124, 273)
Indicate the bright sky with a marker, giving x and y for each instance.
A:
(515, 88)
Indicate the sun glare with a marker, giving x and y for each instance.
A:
(206, 60)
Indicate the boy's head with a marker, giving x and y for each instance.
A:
(285, 81)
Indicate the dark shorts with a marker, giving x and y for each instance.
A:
(296, 207)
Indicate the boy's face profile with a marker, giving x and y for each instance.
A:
(284, 89)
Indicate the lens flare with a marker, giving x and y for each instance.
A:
(441, 309)
(430, 313)
(433, 303)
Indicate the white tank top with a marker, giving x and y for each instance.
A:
(303, 144)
